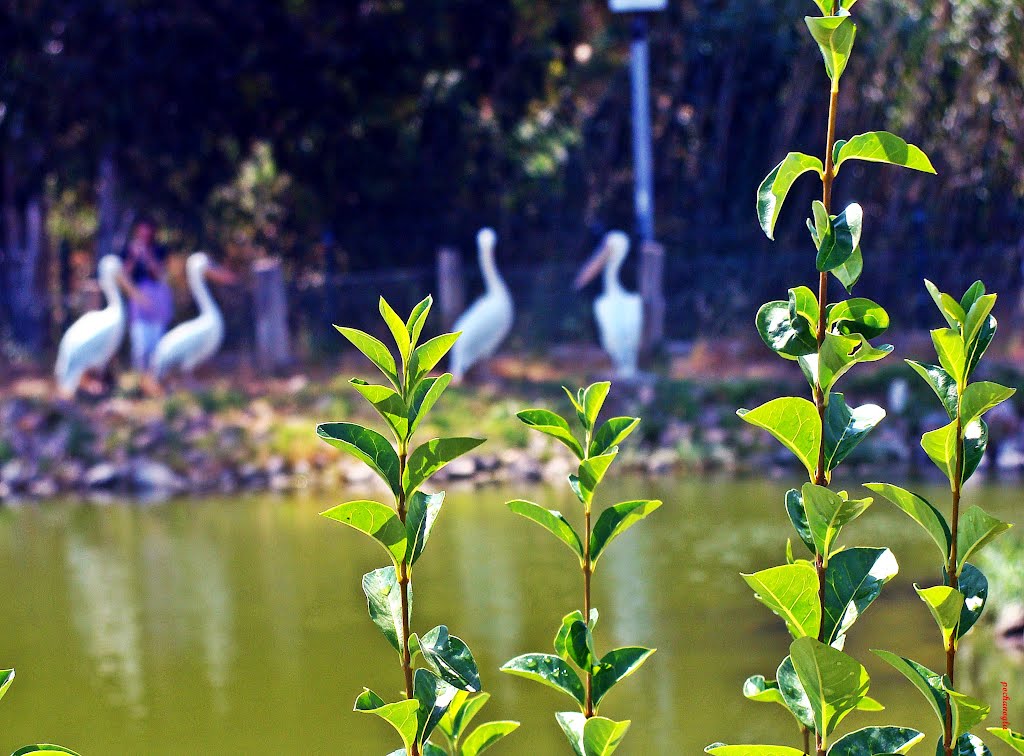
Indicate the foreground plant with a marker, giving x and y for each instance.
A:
(821, 598)
(956, 449)
(594, 675)
(41, 749)
(437, 697)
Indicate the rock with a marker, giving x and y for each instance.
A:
(461, 468)
(149, 475)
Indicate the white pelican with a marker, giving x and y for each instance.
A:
(488, 320)
(619, 313)
(92, 340)
(193, 342)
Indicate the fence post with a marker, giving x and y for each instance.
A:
(652, 274)
(273, 350)
(451, 286)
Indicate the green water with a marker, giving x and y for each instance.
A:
(238, 626)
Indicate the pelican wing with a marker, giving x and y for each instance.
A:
(90, 342)
(620, 319)
(187, 345)
(484, 326)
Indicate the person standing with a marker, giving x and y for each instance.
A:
(150, 300)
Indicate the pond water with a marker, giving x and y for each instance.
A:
(237, 626)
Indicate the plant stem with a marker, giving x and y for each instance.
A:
(953, 577)
(807, 739)
(820, 477)
(588, 571)
(404, 583)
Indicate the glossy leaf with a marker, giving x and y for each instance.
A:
(977, 528)
(757, 688)
(771, 194)
(1013, 739)
(858, 315)
(433, 696)
(945, 604)
(977, 316)
(426, 356)
(973, 584)
(981, 343)
(921, 511)
(798, 516)
(396, 325)
(464, 707)
(843, 237)
(837, 355)
(430, 457)
(949, 346)
(589, 476)
(951, 310)
(883, 147)
(835, 36)
(794, 423)
(388, 403)
(968, 712)
(551, 520)
(835, 683)
(876, 740)
(384, 602)
(451, 659)
(784, 335)
(828, 513)
(596, 736)
(44, 749)
(428, 391)
(402, 715)
(423, 511)
(486, 735)
(616, 520)
(793, 694)
(366, 445)
(791, 591)
(414, 323)
(940, 446)
(845, 428)
(579, 646)
(927, 682)
(616, 666)
(553, 425)
(942, 383)
(375, 351)
(561, 643)
(980, 397)
(375, 520)
(966, 745)
(853, 580)
(612, 433)
(549, 670)
(593, 400)
(6, 678)
(849, 272)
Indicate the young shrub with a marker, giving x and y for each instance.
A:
(437, 697)
(820, 598)
(593, 675)
(956, 449)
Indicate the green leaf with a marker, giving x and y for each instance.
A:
(942, 383)
(553, 425)
(551, 520)
(977, 316)
(842, 238)
(718, 749)
(835, 36)
(977, 528)
(921, 511)
(549, 670)
(451, 658)
(949, 307)
(793, 694)
(876, 740)
(397, 327)
(486, 735)
(596, 736)
(791, 591)
(433, 696)
(384, 601)
(6, 678)
(945, 604)
(44, 749)
(579, 646)
(853, 580)
(375, 351)
(968, 712)
(424, 397)
(858, 315)
(973, 584)
(973, 293)
(940, 446)
(828, 513)
(949, 346)
(562, 636)
(977, 347)
(850, 271)
(771, 194)
(835, 683)
(1013, 739)
(798, 516)
(366, 445)
(423, 510)
(980, 397)
(883, 147)
(401, 715)
(464, 707)
(376, 520)
(922, 678)
(590, 474)
(785, 335)
(615, 666)
(845, 428)
(966, 745)
(430, 457)
(616, 520)
(388, 403)
(837, 355)
(426, 356)
(593, 400)
(612, 433)
(418, 316)
(757, 688)
(794, 423)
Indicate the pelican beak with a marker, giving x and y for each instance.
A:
(592, 266)
(221, 275)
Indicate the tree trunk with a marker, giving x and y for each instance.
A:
(273, 351)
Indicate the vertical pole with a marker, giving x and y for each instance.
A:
(652, 292)
(273, 350)
(451, 286)
(643, 192)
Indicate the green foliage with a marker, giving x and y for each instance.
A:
(576, 668)
(42, 749)
(445, 696)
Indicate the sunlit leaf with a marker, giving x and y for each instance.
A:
(883, 147)
(791, 591)
(773, 190)
(795, 424)
(368, 446)
(375, 520)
